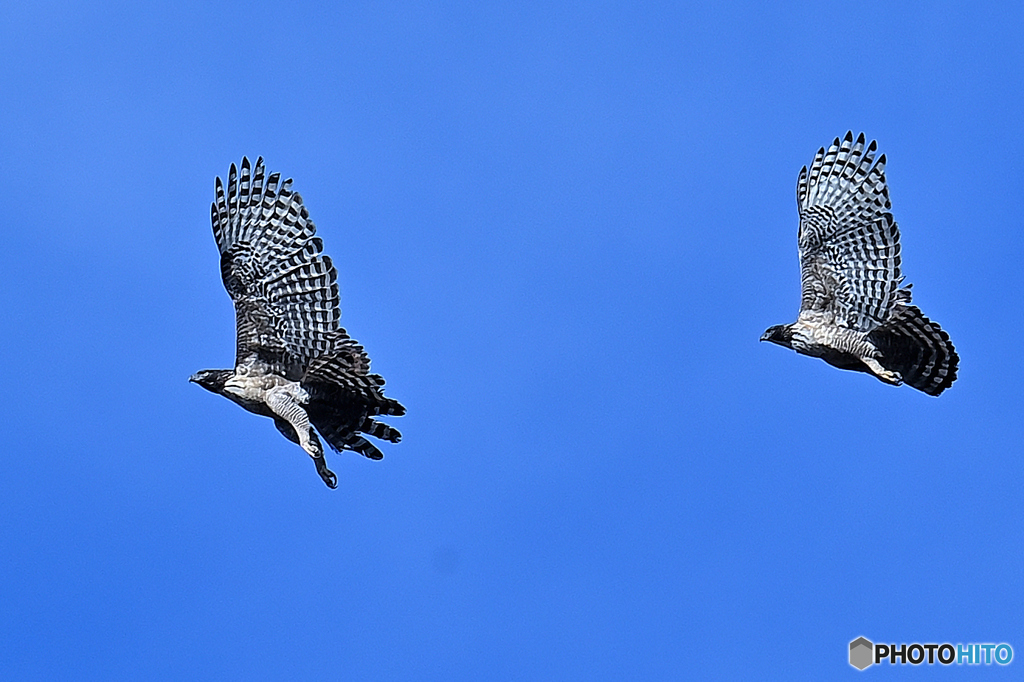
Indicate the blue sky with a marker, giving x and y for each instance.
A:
(560, 229)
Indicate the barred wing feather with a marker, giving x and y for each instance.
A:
(284, 289)
(849, 242)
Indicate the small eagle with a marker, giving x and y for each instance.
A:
(294, 362)
(854, 312)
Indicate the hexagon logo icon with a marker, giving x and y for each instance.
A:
(861, 653)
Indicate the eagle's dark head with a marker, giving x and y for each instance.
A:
(212, 379)
(781, 334)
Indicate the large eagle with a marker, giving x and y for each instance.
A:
(854, 312)
(294, 362)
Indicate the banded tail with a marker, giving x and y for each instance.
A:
(918, 349)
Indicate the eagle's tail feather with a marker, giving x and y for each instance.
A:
(363, 447)
(381, 430)
(347, 439)
(918, 349)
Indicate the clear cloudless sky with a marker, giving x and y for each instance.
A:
(560, 230)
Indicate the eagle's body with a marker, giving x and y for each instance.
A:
(854, 313)
(294, 363)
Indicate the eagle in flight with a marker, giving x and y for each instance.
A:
(854, 312)
(294, 362)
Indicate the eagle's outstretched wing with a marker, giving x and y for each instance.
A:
(284, 288)
(849, 242)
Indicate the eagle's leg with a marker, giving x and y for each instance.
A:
(886, 375)
(320, 461)
(326, 474)
(284, 404)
